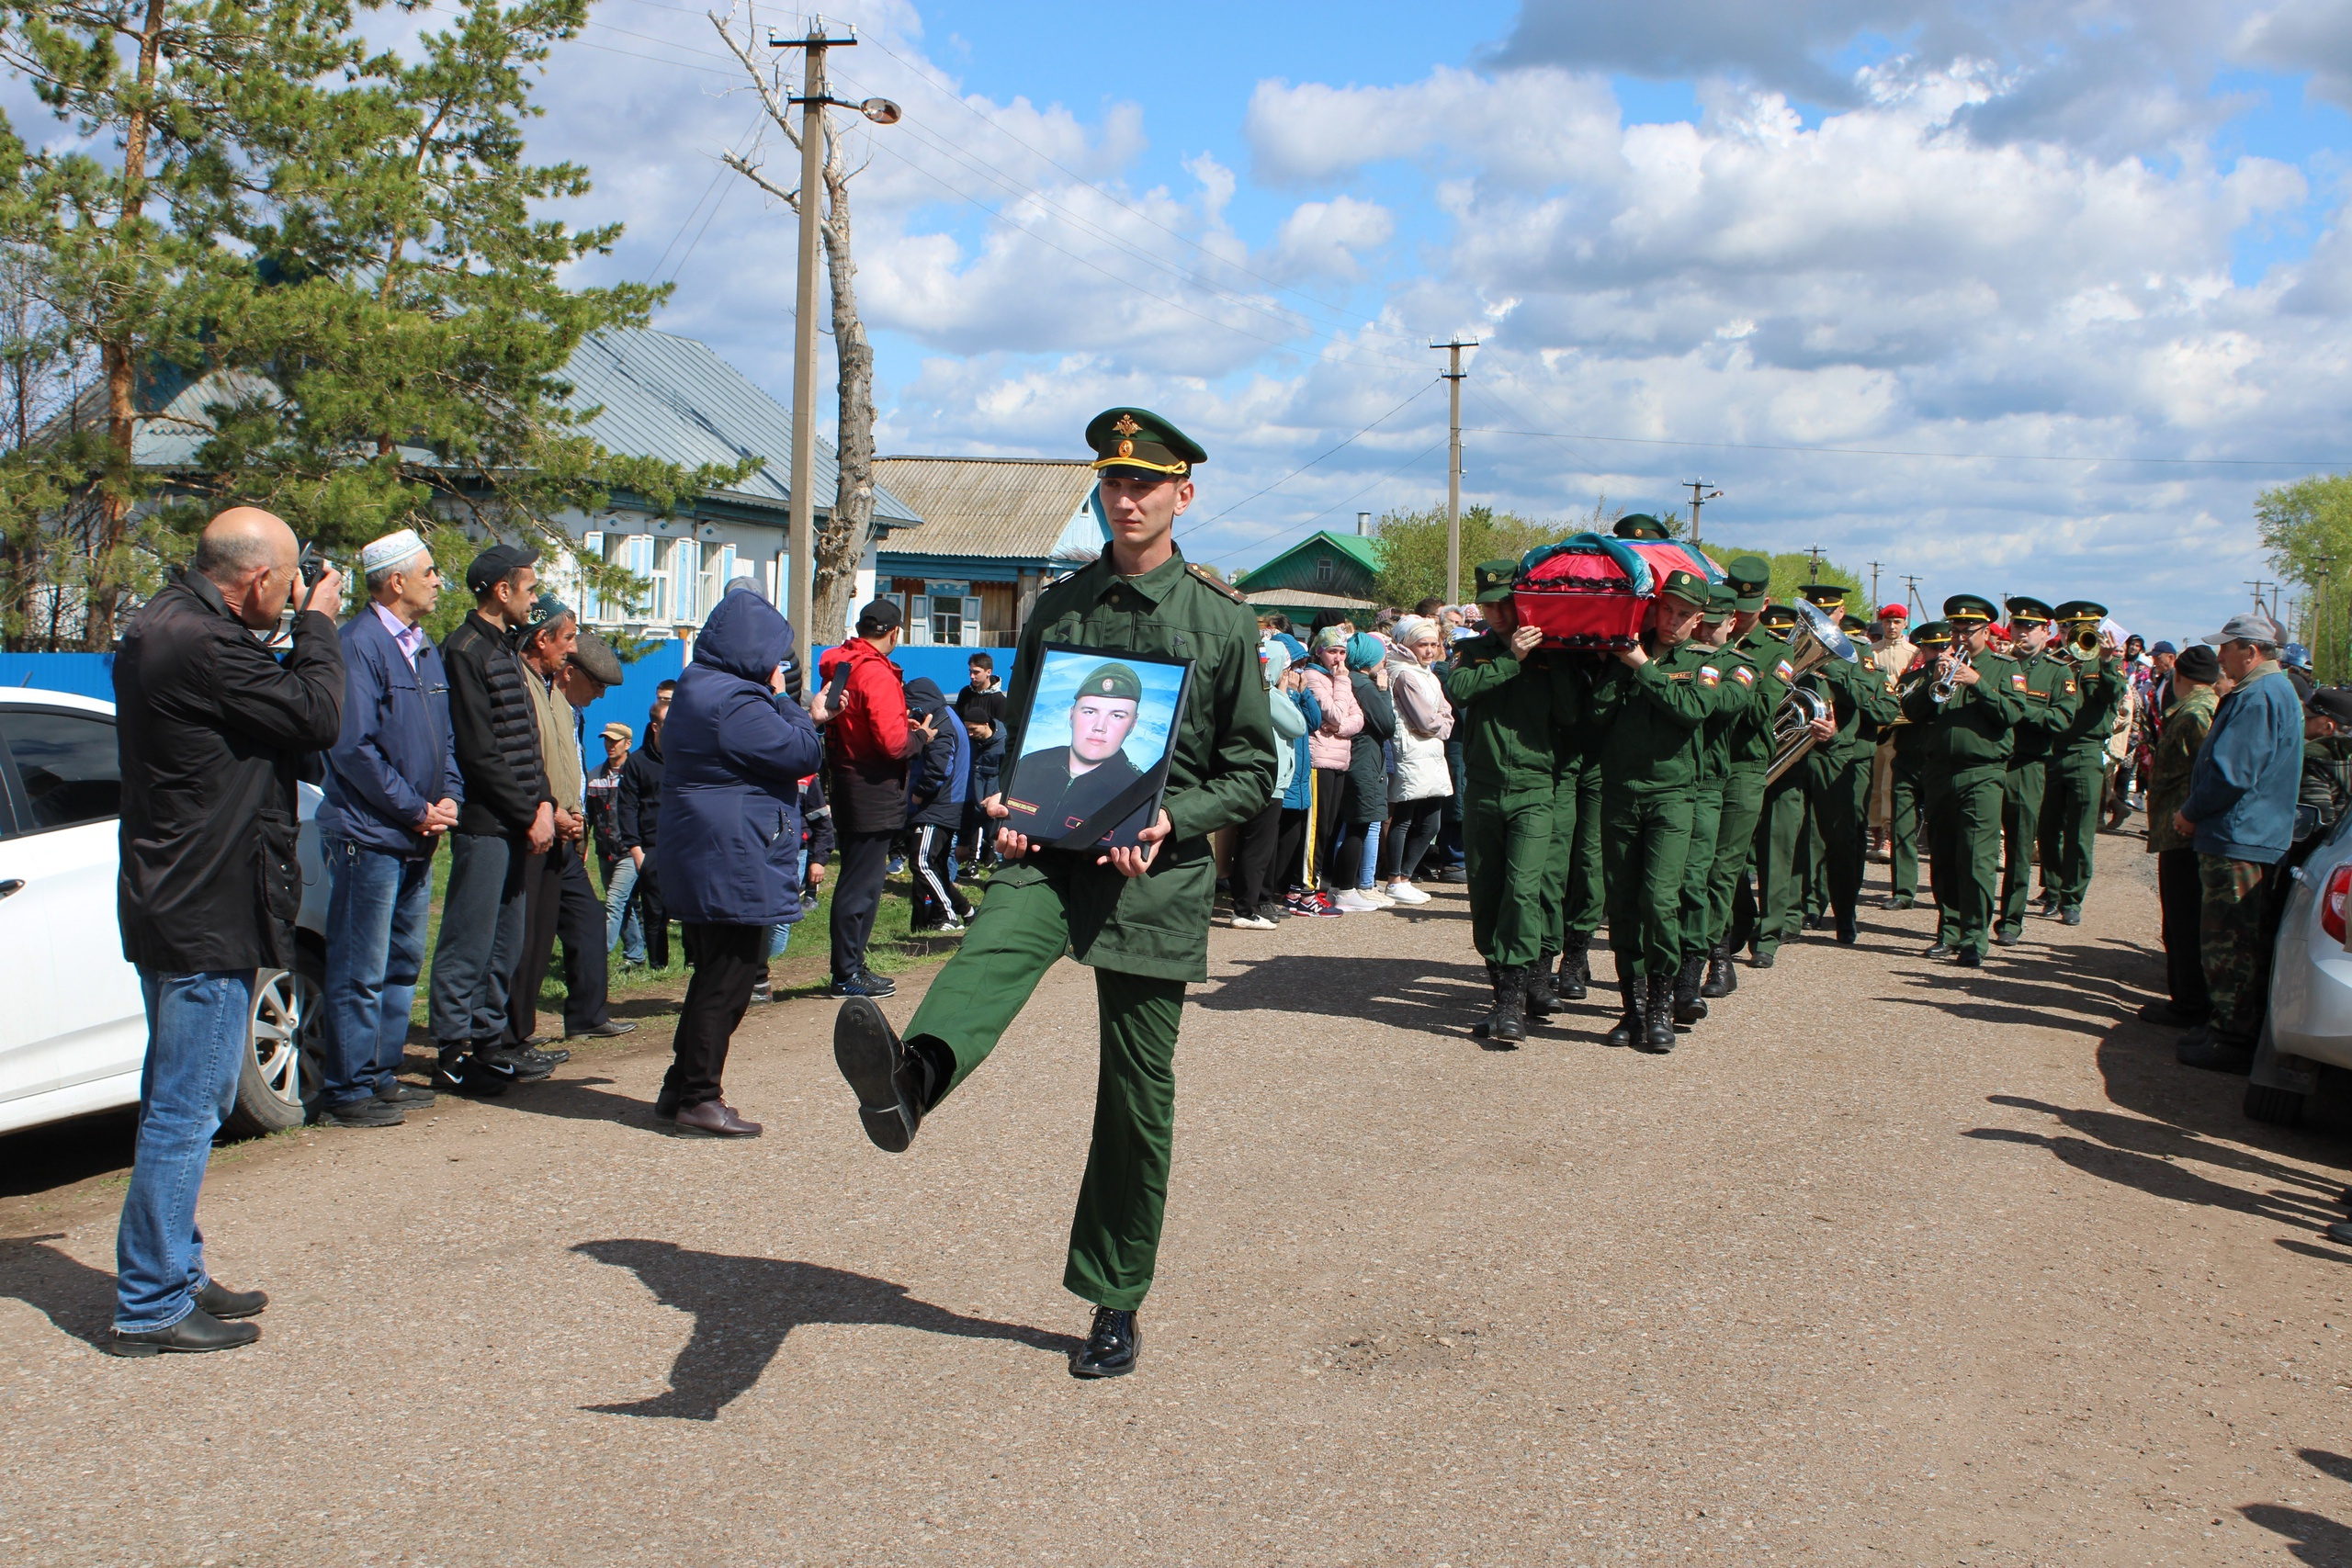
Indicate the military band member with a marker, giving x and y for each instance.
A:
(1651, 707)
(2078, 761)
(1507, 818)
(2049, 703)
(1780, 815)
(1138, 917)
(1750, 755)
(1837, 771)
(1735, 699)
(1906, 781)
(1968, 761)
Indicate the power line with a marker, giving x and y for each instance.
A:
(1316, 458)
(1265, 539)
(1956, 456)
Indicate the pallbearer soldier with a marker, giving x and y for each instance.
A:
(2050, 703)
(1735, 695)
(1138, 917)
(1506, 703)
(1968, 759)
(2078, 762)
(1906, 775)
(1650, 708)
(1750, 755)
(1780, 816)
(1572, 875)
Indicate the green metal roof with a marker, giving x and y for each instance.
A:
(1356, 550)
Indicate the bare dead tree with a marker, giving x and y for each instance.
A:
(842, 537)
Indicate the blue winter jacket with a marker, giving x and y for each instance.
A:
(396, 755)
(2242, 792)
(942, 777)
(1300, 794)
(734, 755)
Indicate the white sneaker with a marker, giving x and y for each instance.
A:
(1354, 902)
(1403, 892)
(1252, 923)
(1377, 896)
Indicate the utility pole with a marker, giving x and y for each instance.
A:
(1911, 596)
(1698, 498)
(1813, 551)
(1453, 373)
(1874, 600)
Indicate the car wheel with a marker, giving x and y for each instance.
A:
(2279, 1107)
(280, 1079)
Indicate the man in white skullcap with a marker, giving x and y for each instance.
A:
(393, 793)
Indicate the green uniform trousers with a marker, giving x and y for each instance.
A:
(1508, 842)
(1572, 906)
(1645, 844)
(1015, 938)
(1966, 843)
(1780, 868)
(1735, 848)
(2070, 810)
(1697, 933)
(1906, 796)
(2020, 839)
(1838, 799)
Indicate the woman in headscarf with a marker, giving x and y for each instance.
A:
(1420, 784)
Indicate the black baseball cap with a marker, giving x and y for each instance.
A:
(882, 615)
(496, 564)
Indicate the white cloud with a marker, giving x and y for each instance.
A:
(1323, 239)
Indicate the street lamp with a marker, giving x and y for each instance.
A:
(799, 594)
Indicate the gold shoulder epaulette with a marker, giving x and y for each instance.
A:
(1224, 588)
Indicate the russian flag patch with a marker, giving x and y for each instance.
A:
(1785, 670)
(1743, 675)
(1709, 675)
(2017, 681)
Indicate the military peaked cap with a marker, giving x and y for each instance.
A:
(1933, 636)
(1641, 525)
(1140, 439)
(2081, 610)
(2028, 612)
(1969, 607)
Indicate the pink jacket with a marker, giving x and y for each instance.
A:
(1342, 717)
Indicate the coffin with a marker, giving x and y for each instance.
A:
(1594, 590)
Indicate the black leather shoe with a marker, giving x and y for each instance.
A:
(194, 1335)
(1968, 958)
(2005, 937)
(2201, 1047)
(1900, 901)
(609, 1029)
(2340, 1232)
(886, 1077)
(1111, 1348)
(1847, 934)
(550, 1059)
(1760, 960)
(1941, 950)
(2070, 916)
(1720, 979)
(2048, 907)
(1486, 1025)
(1537, 985)
(368, 1112)
(224, 1303)
(407, 1096)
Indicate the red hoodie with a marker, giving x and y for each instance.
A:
(868, 740)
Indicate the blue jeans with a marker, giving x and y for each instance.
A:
(622, 922)
(1371, 855)
(199, 1031)
(376, 908)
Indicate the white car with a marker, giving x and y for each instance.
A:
(2309, 1024)
(74, 1033)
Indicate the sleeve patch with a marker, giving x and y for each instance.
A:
(2070, 688)
(2017, 681)
(1709, 675)
(1785, 670)
(1743, 675)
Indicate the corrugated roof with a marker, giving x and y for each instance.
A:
(1308, 598)
(658, 395)
(1014, 507)
(1358, 547)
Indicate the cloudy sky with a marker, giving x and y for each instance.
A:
(2010, 295)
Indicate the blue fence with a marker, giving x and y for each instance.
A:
(84, 675)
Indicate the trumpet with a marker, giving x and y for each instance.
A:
(1813, 642)
(1947, 682)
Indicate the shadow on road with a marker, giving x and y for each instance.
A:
(744, 1307)
(2316, 1538)
(75, 1297)
(1427, 994)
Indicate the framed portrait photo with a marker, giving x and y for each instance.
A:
(1096, 731)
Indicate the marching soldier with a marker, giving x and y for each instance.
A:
(1780, 818)
(2049, 703)
(1652, 706)
(1573, 910)
(1138, 917)
(1968, 744)
(1906, 781)
(2078, 762)
(1734, 707)
(1750, 755)
(1507, 818)
(1837, 772)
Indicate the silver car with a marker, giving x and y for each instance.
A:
(2310, 1021)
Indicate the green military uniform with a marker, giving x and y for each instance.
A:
(1780, 820)
(1748, 755)
(1145, 937)
(1734, 708)
(1835, 779)
(2050, 703)
(1652, 717)
(1968, 746)
(1908, 777)
(1572, 897)
(1507, 820)
(2079, 765)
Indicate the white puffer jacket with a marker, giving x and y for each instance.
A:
(1424, 719)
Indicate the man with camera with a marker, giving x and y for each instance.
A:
(214, 732)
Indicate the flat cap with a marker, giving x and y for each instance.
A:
(595, 655)
(497, 563)
(2331, 702)
(1140, 439)
(1111, 681)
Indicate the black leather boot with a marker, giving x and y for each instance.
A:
(1509, 1025)
(1575, 969)
(1541, 1002)
(1485, 1026)
(1689, 1006)
(1634, 1024)
(1721, 980)
(1657, 1030)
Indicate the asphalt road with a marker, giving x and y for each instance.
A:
(1887, 1263)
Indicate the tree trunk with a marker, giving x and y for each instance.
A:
(841, 542)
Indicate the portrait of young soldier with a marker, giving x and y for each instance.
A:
(1056, 790)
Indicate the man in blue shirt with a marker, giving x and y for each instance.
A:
(2241, 815)
(393, 793)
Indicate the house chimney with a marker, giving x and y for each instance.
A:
(1363, 523)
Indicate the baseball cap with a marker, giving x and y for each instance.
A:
(619, 731)
(496, 563)
(2247, 625)
(882, 614)
(2331, 702)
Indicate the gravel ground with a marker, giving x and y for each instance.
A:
(1887, 1263)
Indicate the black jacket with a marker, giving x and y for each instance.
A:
(213, 733)
(497, 731)
(637, 813)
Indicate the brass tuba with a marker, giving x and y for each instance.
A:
(1815, 642)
